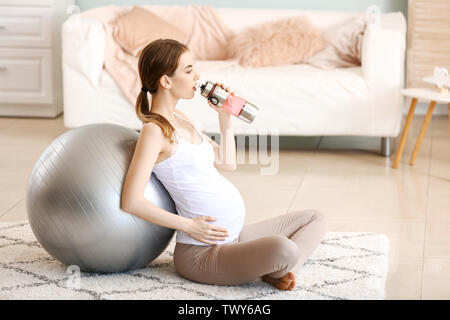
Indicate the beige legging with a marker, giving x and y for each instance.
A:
(271, 247)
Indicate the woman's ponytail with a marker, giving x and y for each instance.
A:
(145, 115)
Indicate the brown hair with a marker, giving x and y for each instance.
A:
(160, 57)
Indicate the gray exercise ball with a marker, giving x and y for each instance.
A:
(73, 202)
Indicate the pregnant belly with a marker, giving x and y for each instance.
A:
(219, 199)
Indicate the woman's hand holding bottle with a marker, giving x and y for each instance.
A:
(226, 103)
(199, 229)
(221, 111)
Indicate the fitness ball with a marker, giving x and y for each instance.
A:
(73, 202)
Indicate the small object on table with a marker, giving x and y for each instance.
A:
(439, 79)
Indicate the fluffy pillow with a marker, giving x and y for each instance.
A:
(344, 45)
(138, 27)
(285, 41)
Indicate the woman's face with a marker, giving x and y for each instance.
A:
(185, 78)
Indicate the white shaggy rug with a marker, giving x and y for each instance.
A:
(346, 265)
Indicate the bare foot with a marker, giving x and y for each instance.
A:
(286, 282)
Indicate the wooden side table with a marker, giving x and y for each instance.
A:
(416, 94)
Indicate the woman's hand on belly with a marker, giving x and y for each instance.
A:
(200, 230)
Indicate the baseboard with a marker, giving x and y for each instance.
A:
(30, 110)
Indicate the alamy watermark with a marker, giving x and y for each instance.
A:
(74, 280)
(263, 146)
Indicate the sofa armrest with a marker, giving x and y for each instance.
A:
(383, 52)
(83, 46)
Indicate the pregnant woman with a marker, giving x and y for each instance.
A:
(212, 244)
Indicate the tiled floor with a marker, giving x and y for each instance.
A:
(345, 177)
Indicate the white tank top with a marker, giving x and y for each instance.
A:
(198, 189)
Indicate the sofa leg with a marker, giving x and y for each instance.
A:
(386, 146)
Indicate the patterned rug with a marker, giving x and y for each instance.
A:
(346, 265)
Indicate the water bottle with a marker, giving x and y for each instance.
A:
(235, 105)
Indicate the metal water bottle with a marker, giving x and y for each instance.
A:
(235, 105)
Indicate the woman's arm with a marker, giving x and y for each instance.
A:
(138, 175)
(227, 149)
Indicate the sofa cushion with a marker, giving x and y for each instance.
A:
(344, 45)
(138, 27)
(285, 41)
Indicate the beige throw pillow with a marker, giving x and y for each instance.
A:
(285, 41)
(343, 45)
(138, 27)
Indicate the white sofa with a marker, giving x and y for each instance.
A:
(296, 99)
